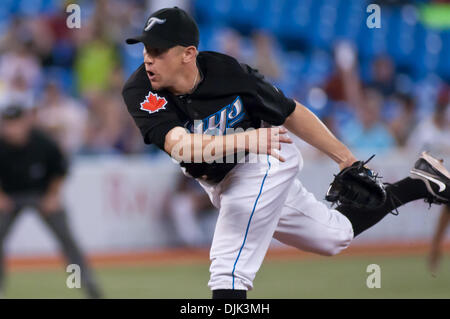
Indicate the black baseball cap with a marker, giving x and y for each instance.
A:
(12, 112)
(167, 28)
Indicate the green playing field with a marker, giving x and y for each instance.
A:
(327, 277)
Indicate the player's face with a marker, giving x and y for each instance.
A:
(162, 66)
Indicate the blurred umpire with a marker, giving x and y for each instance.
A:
(32, 170)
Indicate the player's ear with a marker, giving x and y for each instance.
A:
(189, 54)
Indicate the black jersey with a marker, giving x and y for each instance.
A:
(230, 95)
(31, 167)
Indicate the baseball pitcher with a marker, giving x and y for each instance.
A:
(227, 127)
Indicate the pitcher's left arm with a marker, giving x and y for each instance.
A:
(307, 126)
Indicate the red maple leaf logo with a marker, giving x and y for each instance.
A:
(153, 103)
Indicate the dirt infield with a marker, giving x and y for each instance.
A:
(183, 255)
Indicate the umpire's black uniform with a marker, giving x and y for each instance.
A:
(27, 170)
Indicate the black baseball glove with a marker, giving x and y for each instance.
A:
(357, 186)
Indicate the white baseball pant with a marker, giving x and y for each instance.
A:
(265, 200)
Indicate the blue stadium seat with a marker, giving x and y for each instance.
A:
(29, 7)
(429, 45)
(201, 12)
(131, 57)
(289, 21)
(51, 6)
(270, 16)
(10, 6)
(444, 59)
(212, 12)
(5, 19)
(426, 93)
(365, 70)
(322, 31)
(320, 66)
(373, 42)
(208, 37)
(63, 76)
(350, 15)
(292, 65)
(244, 15)
(63, 53)
(401, 41)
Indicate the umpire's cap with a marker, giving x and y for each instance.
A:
(167, 28)
(12, 112)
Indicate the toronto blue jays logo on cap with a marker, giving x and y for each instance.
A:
(152, 21)
(179, 29)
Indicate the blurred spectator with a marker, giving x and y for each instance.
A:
(405, 120)
(18, 31)
(20, 72)
(265, 60)
(63, 117)
(20, 61)
(433, 133)
(383, 73)
(43, 40)
(230, 43)
(17, 91)
(344, 84)
(365, 133)
(95, 61)
(103, 123)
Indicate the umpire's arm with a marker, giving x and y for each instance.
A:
(303, 123)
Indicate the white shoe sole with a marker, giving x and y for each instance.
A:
(427, 178)
(436, 164)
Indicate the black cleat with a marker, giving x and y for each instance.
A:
(435, 176)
